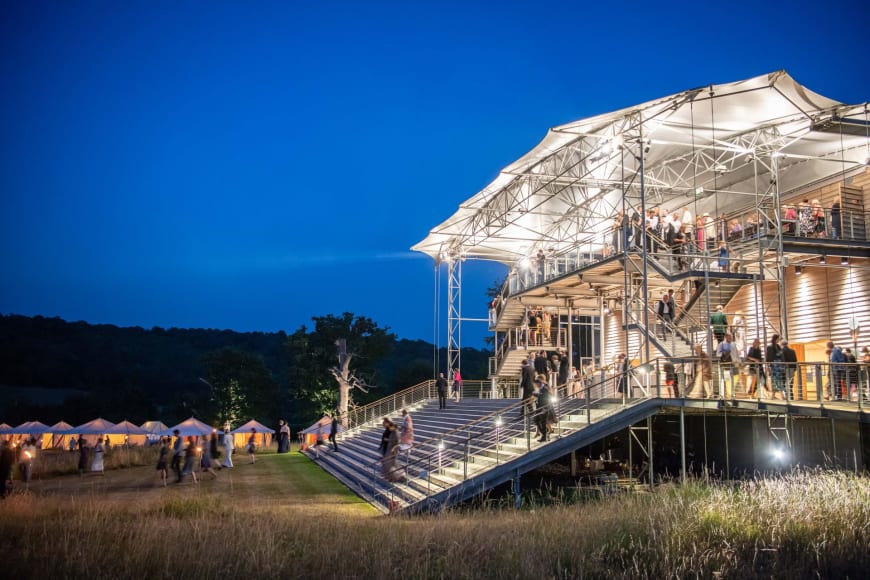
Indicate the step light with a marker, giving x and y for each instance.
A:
(844, 261)
(797, 270)
(822, 260)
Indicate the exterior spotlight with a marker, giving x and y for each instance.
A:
(822, 260)
(498, 421)
(844, 261)
(778, 453)
(699, 190)
(441, 445)
(524, 263)
(797, 270)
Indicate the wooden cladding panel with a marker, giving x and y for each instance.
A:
(820, 303)
(855, 197)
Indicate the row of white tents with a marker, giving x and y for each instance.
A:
(58, 436)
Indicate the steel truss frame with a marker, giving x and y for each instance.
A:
(572, 193)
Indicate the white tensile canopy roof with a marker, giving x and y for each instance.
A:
(712, 147)
(60, 427)
(5, 429)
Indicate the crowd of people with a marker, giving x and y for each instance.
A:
(179, 455)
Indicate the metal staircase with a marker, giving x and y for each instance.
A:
(470, 447)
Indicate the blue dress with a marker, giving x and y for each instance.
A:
(723, 257)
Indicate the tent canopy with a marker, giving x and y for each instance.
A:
(31, 428)
(57, 436)
(5, 429)
(715, 147)
(189, 427)
(323, 425)
(127, 428)
(252, 424)
(154, 427)
(98, 426)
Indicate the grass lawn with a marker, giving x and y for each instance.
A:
(285, 518)
(286, 481)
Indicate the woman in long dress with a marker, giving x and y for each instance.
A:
(99, 451)
(229, 446)
(283, 437)
(389, 465)
(406, 438)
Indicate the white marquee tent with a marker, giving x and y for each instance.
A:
(243, 432)
(57, 437)
(190, 427)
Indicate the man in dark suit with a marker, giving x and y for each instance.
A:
(441, 384)
(527, 386)
(542, 365)
(789, 359)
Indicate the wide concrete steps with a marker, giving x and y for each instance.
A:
(451, 445)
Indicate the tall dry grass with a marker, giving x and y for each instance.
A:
(50, 463)
(801, 525)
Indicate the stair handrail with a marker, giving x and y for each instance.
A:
(406, 395)
(451, 454)
(582, 395)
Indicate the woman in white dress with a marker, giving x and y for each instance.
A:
(228, 447)
(99, 451)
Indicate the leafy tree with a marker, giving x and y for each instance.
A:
(241, 386)
(315, 365)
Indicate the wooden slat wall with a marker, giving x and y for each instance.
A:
(820, 303)
(765, 309)
(855, 198)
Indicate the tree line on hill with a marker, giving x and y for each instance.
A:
(171, 374)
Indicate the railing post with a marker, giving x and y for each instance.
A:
(658, 380)
(528, 432)
(589, 405)
(465, 459)
(819, 396)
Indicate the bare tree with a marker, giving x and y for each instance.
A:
(347, 380)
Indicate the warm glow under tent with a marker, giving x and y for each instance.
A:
(57, 437)
(243, 432)
(319, 431)
(31, 429)
(153, 430)
(92, 430)
(5, 431)
(133, 435)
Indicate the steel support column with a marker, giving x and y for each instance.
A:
(454, 314)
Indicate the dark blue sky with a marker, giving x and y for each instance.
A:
(250, 165)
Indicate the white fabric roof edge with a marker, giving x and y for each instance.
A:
(787, 105)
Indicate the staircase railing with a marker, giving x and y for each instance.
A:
(438, 463)
(464, 451)
(373, 412)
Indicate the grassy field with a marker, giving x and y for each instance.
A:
(285, 518)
